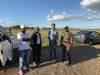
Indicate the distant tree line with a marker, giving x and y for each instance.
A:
(45, 28)
(15, 26)
(18, 26)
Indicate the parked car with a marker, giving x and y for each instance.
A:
(8, 46)
(87, 37)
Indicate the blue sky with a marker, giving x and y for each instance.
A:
(35, 13)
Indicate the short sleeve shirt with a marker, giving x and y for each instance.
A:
(67, 36)
(23, 45)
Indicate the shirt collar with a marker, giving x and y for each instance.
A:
(53, 30)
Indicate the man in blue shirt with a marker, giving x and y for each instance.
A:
(52, 36)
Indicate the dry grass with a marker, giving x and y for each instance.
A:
(44, 33)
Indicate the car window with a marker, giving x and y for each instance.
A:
(94, 34)
(82, 32)
(2, 36)
(97, 34)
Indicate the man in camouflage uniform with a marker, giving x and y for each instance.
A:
(66, 43)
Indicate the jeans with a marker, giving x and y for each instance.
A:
(52, 51)
(23, 59)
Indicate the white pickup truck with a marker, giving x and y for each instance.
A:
(8, 45)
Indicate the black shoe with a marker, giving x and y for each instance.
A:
(50, 59)
(69, 63)
(63, 60)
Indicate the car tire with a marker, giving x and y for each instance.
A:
(90, 42)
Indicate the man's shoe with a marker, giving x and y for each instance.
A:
(20, 72)
(28, 69)
(69, 63)
(63, 60)
(50, 59)
(34, 64)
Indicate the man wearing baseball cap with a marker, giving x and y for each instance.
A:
(66, 44)
(24, 39)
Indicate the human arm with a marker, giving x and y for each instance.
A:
(61, 40)
(70, 43)
(49, 35)
(21, 38)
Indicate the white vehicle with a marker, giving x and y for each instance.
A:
(8, 45)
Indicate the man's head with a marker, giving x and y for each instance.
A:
(53, 25)
(37, 29)
(23, 28)
(66, 29)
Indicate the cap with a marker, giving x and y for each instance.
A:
(66, 27)
(22, 26)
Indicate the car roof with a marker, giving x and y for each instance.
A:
(86, 31)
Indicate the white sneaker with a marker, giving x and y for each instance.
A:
(20, 72)
(34, 64)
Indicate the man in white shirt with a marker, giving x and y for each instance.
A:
(24, 39)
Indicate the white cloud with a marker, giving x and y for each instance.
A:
(93, 5)
(89, 18)
(66, 17)
(1, 21)
(59, 17)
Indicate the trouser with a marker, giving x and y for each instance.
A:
(23, 59)
(52, 51)
(36, 53)
(66, 50)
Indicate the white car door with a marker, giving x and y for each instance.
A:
(5, 48)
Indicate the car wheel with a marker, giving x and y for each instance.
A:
(90, 42)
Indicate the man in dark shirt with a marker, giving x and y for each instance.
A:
(36, 46)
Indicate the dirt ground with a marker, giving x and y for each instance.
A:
(85, 61)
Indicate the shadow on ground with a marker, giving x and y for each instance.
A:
(79, 54)
(84, 53)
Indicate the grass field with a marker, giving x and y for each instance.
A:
(85, 60)
(44, 33)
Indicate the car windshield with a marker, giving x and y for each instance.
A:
(82, 32)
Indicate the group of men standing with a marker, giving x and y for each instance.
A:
(35, 42)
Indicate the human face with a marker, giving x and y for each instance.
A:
(66, 30)
(37, 29)
(23, 30)
(53, 27)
